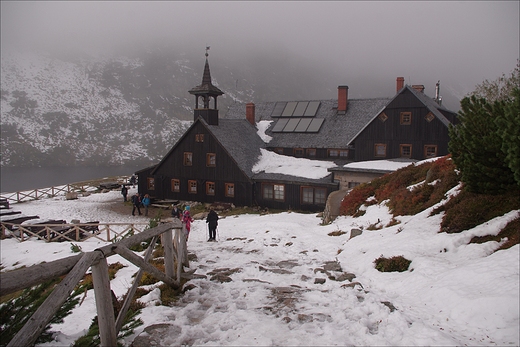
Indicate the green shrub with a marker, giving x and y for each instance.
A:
(396, 263)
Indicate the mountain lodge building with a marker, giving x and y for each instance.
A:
(213, 161)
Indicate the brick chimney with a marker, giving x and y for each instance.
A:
(399, 84)
(250, 113)
(342, 99)
(418, 87)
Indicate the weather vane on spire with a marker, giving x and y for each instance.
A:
(207, 49)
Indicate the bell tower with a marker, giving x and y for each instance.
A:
(203, 94)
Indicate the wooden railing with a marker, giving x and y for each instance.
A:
(109, 232)
(35, 194)
(175, 257)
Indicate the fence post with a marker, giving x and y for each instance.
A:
(167, 241)
(104, 305)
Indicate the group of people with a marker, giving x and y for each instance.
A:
(184, 216)
(186, 219)
(138, 201)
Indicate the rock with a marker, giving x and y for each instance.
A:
(332, 266)
(153, 335)
(355, 232)
(71, 196)
(319, 280)
(345, 276)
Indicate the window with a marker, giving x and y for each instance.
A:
(429, 117)
(298, 152)
(380, 150)
(199, 137)
(430, 151)
(383, 117)
(335, 153)
(406, 118)
(311, 152)
(311, 195)
(210, 188)
(188, 158)
(211, 159)
(278, 150)
(406, 151)
(150, 183)
(230, 190)
(192, 187)
(273, 191)
(176, 186)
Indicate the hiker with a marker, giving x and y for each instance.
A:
(186, 220)
(136, 201)
(146, 204)
(212, 221)
(124, 192)
(133, 180)
(176, 213)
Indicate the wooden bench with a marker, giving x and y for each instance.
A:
(4, 204)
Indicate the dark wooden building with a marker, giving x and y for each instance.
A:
(214, 160)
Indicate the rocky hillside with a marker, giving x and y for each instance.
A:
(82, 110)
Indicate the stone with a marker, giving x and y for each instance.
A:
(355, 232)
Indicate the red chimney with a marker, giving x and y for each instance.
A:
(250, 113)
(400, 84)
(342, 99)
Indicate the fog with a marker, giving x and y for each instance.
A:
(365, 45)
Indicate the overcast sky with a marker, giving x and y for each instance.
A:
(460, 43)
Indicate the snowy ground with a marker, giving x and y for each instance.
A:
(454, 294)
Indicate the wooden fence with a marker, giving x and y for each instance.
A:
(75, 267)
(108, 232)
(39, 193)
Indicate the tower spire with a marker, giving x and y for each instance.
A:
(206, 90)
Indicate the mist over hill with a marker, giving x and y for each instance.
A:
(73, 110)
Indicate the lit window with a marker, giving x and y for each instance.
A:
(192, 186)
(188, 158)
(176, 185)
(430, 151)
(406, 151)
(230, 190)
(406, 118)
(380, 150)
(279, 192)
(211, 159)
(210, 188)
(150, 183)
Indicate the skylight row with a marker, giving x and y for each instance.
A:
(296, 109)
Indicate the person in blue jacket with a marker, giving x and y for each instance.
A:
(146, 203)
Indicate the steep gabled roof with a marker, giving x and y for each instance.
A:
(240, 140)
(429, 103)
(337, 130)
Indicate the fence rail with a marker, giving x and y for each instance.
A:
(77, 232)
(75, 267)
(35, 194)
